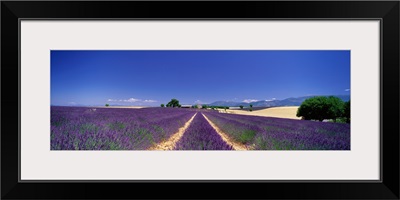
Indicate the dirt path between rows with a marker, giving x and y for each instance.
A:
(170, 143)
(225, 137)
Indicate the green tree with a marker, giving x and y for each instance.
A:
(225, 107)
(107, 104)
(173, 103)
(320, 108)
(346, 111)
(241, 107)
(204, 106)
(313, 108)
(251, 105)
(162, 105)
(336, 108)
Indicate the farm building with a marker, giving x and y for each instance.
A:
(234, 108)
(186, 106)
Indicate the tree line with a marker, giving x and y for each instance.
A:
(173, 103)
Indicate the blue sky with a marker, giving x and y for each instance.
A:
(152, 77)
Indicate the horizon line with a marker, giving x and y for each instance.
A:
(86, 105)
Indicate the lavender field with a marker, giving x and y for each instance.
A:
(85, 128)
(201, 136)
(268, 133)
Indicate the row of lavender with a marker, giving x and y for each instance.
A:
(200, 135)
(267, 133)
(82, 128)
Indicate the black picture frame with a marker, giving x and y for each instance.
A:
(13, 11)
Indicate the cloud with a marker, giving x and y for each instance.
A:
(132, 100)
(149, 101)
(198, 102)
(249, 100)
(271, 99)
(72, 103)
(347, 90)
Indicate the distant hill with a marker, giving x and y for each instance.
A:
(224, 103)
(293, 101)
